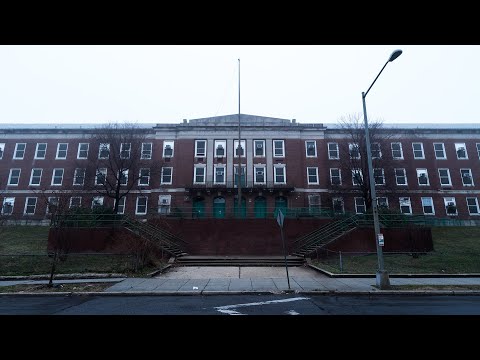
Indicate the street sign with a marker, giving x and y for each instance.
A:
(380, 240)
(280, 218)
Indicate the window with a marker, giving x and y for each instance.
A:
(461, 151)
(422, 176)
(141, 205)
(164, 202)
(472, 203)
(220, 146)
(279, 174)
(444, 176)
(278, 148)
(2, 150)
(219, 176)
(259, 148)
(62, 151)
(478, 150)
(123, 175)
(104, 151)
(8, 203)
(168, 149)
(144, 177)
(75, 201)
(57, 177)
(146, 151)
(450, 206)
(357, 176)
(14, 177)
(121, 205)
(312, 175)
(338, 207)
(97, 202)
(36, 176)
(427, 205)
(360, 207)
(439, 149)
(30, 205)
(52, 205)
(311, 148)
(259, 176)
(242, 148)
(19, 151)
(397, 152)
(333, 151)
(167, 175)
(379, 176)
(82, 152)
(125, 149)
(79, 176)
(418, 151)
(314, 203)
(382, 203)
(335, 176)
(40, 150)
(199, 175)
(405, 205)
(354, 151)
(467, 178)
(401, 177)
(376, 151)
(243, 178)
(101, 176)
(200, 148)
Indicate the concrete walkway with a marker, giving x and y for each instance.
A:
(205, 280)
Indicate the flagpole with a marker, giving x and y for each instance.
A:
(239, 170)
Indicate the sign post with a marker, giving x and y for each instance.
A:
(280, 219)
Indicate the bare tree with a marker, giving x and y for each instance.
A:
(353, 162)
(122, 163)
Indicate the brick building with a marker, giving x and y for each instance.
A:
(285, 164)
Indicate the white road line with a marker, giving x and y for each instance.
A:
(292, 312)
(227, 309)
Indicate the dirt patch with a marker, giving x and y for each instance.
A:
(41, 288)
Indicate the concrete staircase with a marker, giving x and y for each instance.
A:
(240, 260)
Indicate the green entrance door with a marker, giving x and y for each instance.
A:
(243, 210)
(198, 208)
(260, 207)
(280, 204)
(219, 207)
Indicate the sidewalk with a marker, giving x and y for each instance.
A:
(216, 280)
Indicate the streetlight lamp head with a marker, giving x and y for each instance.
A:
(395, 54)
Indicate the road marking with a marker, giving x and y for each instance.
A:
(292, 312)
(228, 309)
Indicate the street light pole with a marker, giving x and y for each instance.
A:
(382, 278)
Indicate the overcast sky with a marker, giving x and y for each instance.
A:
(166, 83)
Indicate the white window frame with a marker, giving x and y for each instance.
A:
(340, 199)
(56, 176)
(223, 145)
(422, 157)
(76, 175)
(171, 144)
(9, 183)
(380, 205)
(357, 205)
(243, 147)
(356, 171)
(197, 153)
(215, 169)
(309, 175)
(379, 150)
(2, 150)
(477, 213)
(477, 146)
(257, 168)
(284, 171)
(407, 202)
(275, 155)
(195, 174)
(127, 152)
(336, 150)
(235, 174)
(447, 201)
(164, 204)
(421, 171)
(162, 175)
(375, 177)
(57, 156)
(103, 147)
(146, 154)
(29, 205)
(440, 177)
(71, 201)
(393, 151)
(15, 157)
(100, 171)
(52, 201)
(80, 150)
(307, 143)
(137, 204)
(404, 176)
(424, 205)
(40, 177)
(314, 202)
(123, 175)
(121, 205)
(140, 177)
(6, 200)
(469, 171)
(37, 150)
(258, 142)
(444, 157)
(459, 146)
(339, 176)
(97, 199)
(351, 147)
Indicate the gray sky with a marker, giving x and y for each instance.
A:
(168, 83)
